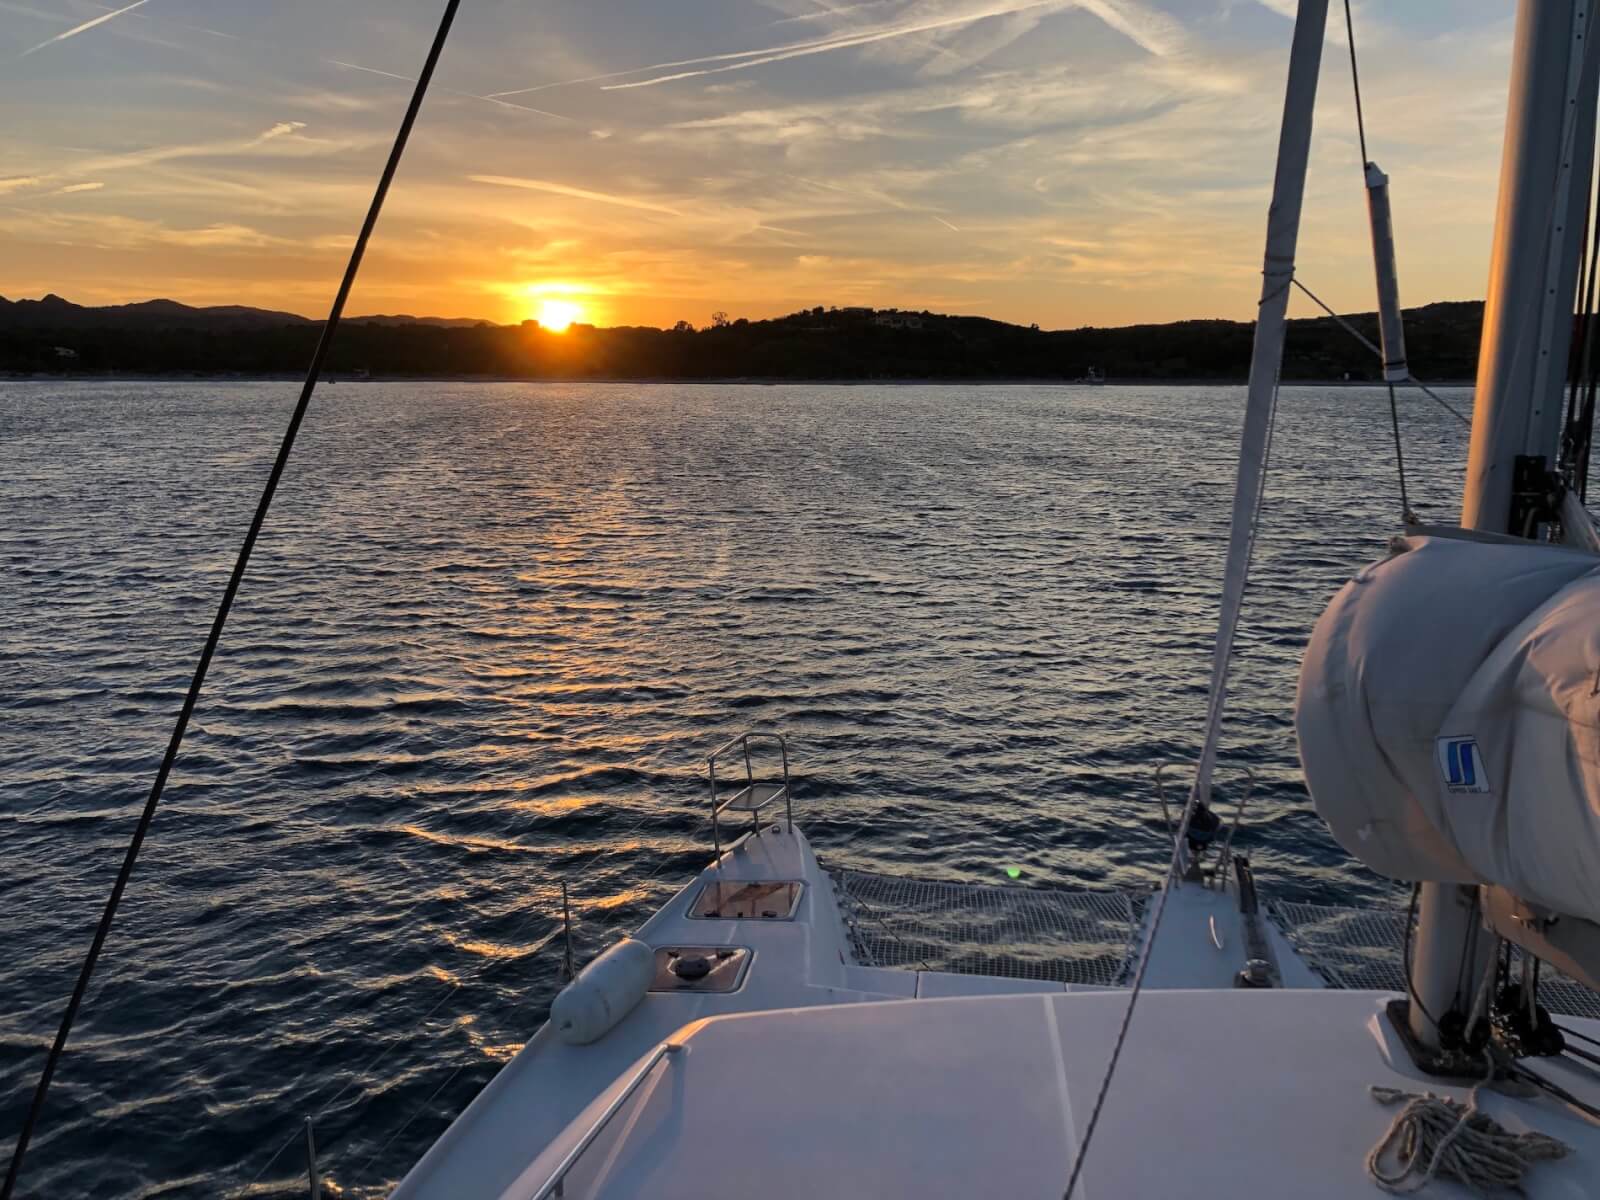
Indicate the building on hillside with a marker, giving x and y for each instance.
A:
(895, 319)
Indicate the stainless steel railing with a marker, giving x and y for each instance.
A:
(753, 797)
(555, 1187)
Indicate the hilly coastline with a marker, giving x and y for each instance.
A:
(54, 337)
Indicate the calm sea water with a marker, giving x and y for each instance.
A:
(488, 638)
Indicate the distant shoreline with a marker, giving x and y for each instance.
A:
(658, 381)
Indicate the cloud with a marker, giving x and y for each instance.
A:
(561, 189)
(497, 99)
(767, 54)
(1150, 30)
(842, 42)
(223, 236)
(18, 182)
(278, 137)
(84, 28)
(74, 188)
(1153, 32)
(279, 130)
(111, 231)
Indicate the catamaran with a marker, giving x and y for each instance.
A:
(780, 1030)
(777, 1030)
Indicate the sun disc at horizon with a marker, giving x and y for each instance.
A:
(557, 315)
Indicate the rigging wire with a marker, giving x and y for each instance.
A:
(1406, 515)
(1355, 79)
(209, 650)
(1410, 379)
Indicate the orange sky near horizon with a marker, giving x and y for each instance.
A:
(1065, 162)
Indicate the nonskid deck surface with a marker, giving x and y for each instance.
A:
(1219, 1094)
(797, 961)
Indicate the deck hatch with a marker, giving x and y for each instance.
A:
(700, 968)
(759, 900)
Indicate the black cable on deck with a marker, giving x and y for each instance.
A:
(228, 595)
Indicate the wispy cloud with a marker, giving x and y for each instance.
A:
(23, 10)
(73, 189)
(498, 100)
(114, 232)
(561, 189)
(84, 28)
(17, 182)
(279, 130)
(765, 54)
(280, 139)
(1150, 30)
(842, 42)
(832, 12)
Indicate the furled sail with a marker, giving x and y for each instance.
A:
(1449, 718)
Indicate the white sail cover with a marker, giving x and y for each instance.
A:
(1449, 718)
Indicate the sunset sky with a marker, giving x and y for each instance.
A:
(1065, 162)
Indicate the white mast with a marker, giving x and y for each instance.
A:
(1538, 240)
(1544, 178)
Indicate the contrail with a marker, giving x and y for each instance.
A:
(452, 91)
(87, 25)
(793, 49)
(561, 189)
(842, 42)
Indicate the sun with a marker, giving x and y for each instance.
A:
(557, 315)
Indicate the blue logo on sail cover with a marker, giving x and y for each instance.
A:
(1461, 764)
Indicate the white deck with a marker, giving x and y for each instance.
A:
(1220, 1093)
(821, 1077)
(796, 963)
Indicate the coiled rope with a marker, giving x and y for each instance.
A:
(1437, 1137)
(1434, 1136)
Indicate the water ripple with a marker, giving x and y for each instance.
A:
(488, 638)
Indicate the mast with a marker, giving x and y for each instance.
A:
(1538, 240)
